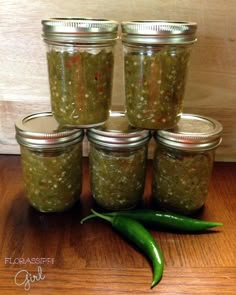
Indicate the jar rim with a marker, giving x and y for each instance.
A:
(193, 132)
(116, 132)
(79, 30)
(41, 130)
(158, 32)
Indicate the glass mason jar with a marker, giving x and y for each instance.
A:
(51, 160)
(183, 162)
(80, 66)
(118, 154)
(156, 57)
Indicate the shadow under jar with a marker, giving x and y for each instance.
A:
(51, 160)
(80, 67)
(183, 162)
(156, 57)
(117, 157)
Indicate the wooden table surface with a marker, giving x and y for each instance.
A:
(93, 259)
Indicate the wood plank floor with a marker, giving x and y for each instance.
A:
(93, 259)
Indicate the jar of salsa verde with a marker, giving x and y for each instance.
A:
(183, 162)
(118, 154)
(156, 57)
(80, 66)
(51, 162)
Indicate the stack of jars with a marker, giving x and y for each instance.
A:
(80, 65)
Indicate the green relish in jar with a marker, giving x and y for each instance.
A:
(156, 57)
(51, 162)
(117, 157)
(80, 55)
(183, 162)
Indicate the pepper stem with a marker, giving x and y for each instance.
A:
(87, 218)
(105, 217)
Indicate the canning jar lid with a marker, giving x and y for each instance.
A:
(41, 130)
(192, 133)
(158, 32)
(116, 132)
(79, 30)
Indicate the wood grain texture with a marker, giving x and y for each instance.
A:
(93, 259)
(211, 85)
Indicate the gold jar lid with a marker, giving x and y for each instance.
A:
(79, 30)
(41, 130)
(158, 32)
(116, 132)
(192, 133)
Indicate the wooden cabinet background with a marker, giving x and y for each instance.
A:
(211, 88)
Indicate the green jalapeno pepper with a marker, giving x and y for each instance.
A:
(137, 233)
(166, 220)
